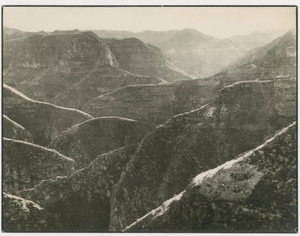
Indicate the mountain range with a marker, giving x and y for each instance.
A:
(103, 133)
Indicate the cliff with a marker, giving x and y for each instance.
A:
(85, 141)
(43, 120)
(26, 164)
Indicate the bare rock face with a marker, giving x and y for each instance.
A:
(13, 130)
(137, 57)
(87, 140)
(45, 121)
(154, 103)
(255, 192)
(194, 142)
(81, 202)
(26, 164)
(21, 215)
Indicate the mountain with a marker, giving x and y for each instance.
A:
(81, 202)
(56, 67)
(21, 215)
(13, 130)
(118, 187)
(255, 192)
(12, 33)
(43, 120)
(190, 50)
(153, 103)
(26, 164)
(85, 141)
(197, 141)
(157, 103)
(257, 38)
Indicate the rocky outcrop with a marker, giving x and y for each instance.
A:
(26, 164)
(13, 130)
(154, 103)
(195, 142)
(255, 192)
(137, 57)
(43, 120)
(21, 215)
(85, 141)
(81, 202)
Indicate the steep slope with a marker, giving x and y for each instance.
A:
(81, 202)
(69, 68)
(44, 121)
(240, 117)
(153, 103)
(85, 141)
(13, 130)
(21, 215)
(137, 57)
(255, 192)
(25, 165)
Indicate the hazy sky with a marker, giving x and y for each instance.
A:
(215, 21)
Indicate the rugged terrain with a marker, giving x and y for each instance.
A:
(255, 192)
(43, 120)
(85, 141)
(13, 130)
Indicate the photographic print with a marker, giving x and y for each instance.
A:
(149, 119)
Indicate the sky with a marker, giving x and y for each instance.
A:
(215, 21)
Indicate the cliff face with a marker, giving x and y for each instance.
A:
(26, 164)
(195, 142)
(85, 141)
(255, 192)
(81, 202)
(13, 130)
(153, 103)
(21, 215)
(137, 57)
(44, 121)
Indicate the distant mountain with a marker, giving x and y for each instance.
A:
(257, 38)
(26, 164)
(190, 50)
(12, 34)
(123, 185)
(56, 67)
(43, 120)
(85, 141)
(255, 192)
(13, 130)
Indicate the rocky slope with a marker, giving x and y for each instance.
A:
(255, 192)
(43, 120)
(191, 143)
(13, 130)
(26, 164)
(153, 103)
(85, 141)
(137, 57)
(68, 68)
(81, 202)
(21, 215)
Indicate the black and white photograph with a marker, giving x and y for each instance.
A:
(138, 119)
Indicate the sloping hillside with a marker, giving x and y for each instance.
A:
(85, 141)
(43, 120)
(26, 164)
(255, 192)
(13, 130)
